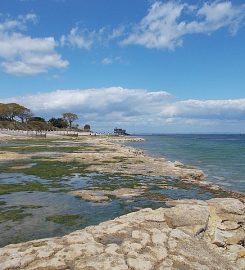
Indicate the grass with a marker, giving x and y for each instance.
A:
(67, 220)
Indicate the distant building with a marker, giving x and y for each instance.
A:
(86, 128)
(120, 131)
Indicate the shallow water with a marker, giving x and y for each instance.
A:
(35, 198)
(57, 202)
(221, 157)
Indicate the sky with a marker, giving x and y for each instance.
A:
(144, 65)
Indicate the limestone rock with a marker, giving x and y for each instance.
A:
(186, 215)
(159, 239)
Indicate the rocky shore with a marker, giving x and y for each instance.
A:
(106, 156)
(191, 234)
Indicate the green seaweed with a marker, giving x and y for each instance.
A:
(43, 148)
(2, 203)
(67, 220)
(13, 215)
(30, 206)
(46, 169)
(32, 186)
(155, 196)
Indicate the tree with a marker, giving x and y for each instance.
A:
(10, 111)
(58, 122)
(15, 110)
(70, 118)
(25, 115)
(4, 112)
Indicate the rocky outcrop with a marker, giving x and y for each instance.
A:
(189, 235)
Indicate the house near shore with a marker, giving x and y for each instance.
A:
(120, 131)
(87, 128)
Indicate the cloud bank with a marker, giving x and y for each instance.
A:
(111, 106)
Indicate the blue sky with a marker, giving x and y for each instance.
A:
(161, 66)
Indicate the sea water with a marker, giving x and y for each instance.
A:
(221, 157)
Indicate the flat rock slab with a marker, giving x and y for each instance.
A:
(100, 196)
(160, 239)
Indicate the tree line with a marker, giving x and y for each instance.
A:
(13, 112)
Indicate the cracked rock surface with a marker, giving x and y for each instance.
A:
(191, 234)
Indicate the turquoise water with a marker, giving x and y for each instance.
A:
(221, 157)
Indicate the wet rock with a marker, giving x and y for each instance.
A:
(125, 192)
(100, 196)
(178, 164)
(91, 195)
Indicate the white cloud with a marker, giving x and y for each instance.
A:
(107, 61)
(111, 60)
(18, 23)
(116, 32)
(21, 54)
(165, 25)
(135, 107)
(82, 39)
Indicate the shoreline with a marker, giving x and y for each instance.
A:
(202, 182)
(144, 239)
(199, 178)
(161, 166)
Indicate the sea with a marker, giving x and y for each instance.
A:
(220, 156)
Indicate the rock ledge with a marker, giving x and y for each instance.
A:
(191, 234)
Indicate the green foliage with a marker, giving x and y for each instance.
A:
(12, 115)
(37, 119)
(14, 111)
(58, 122)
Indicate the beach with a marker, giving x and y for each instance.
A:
(61, 184)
